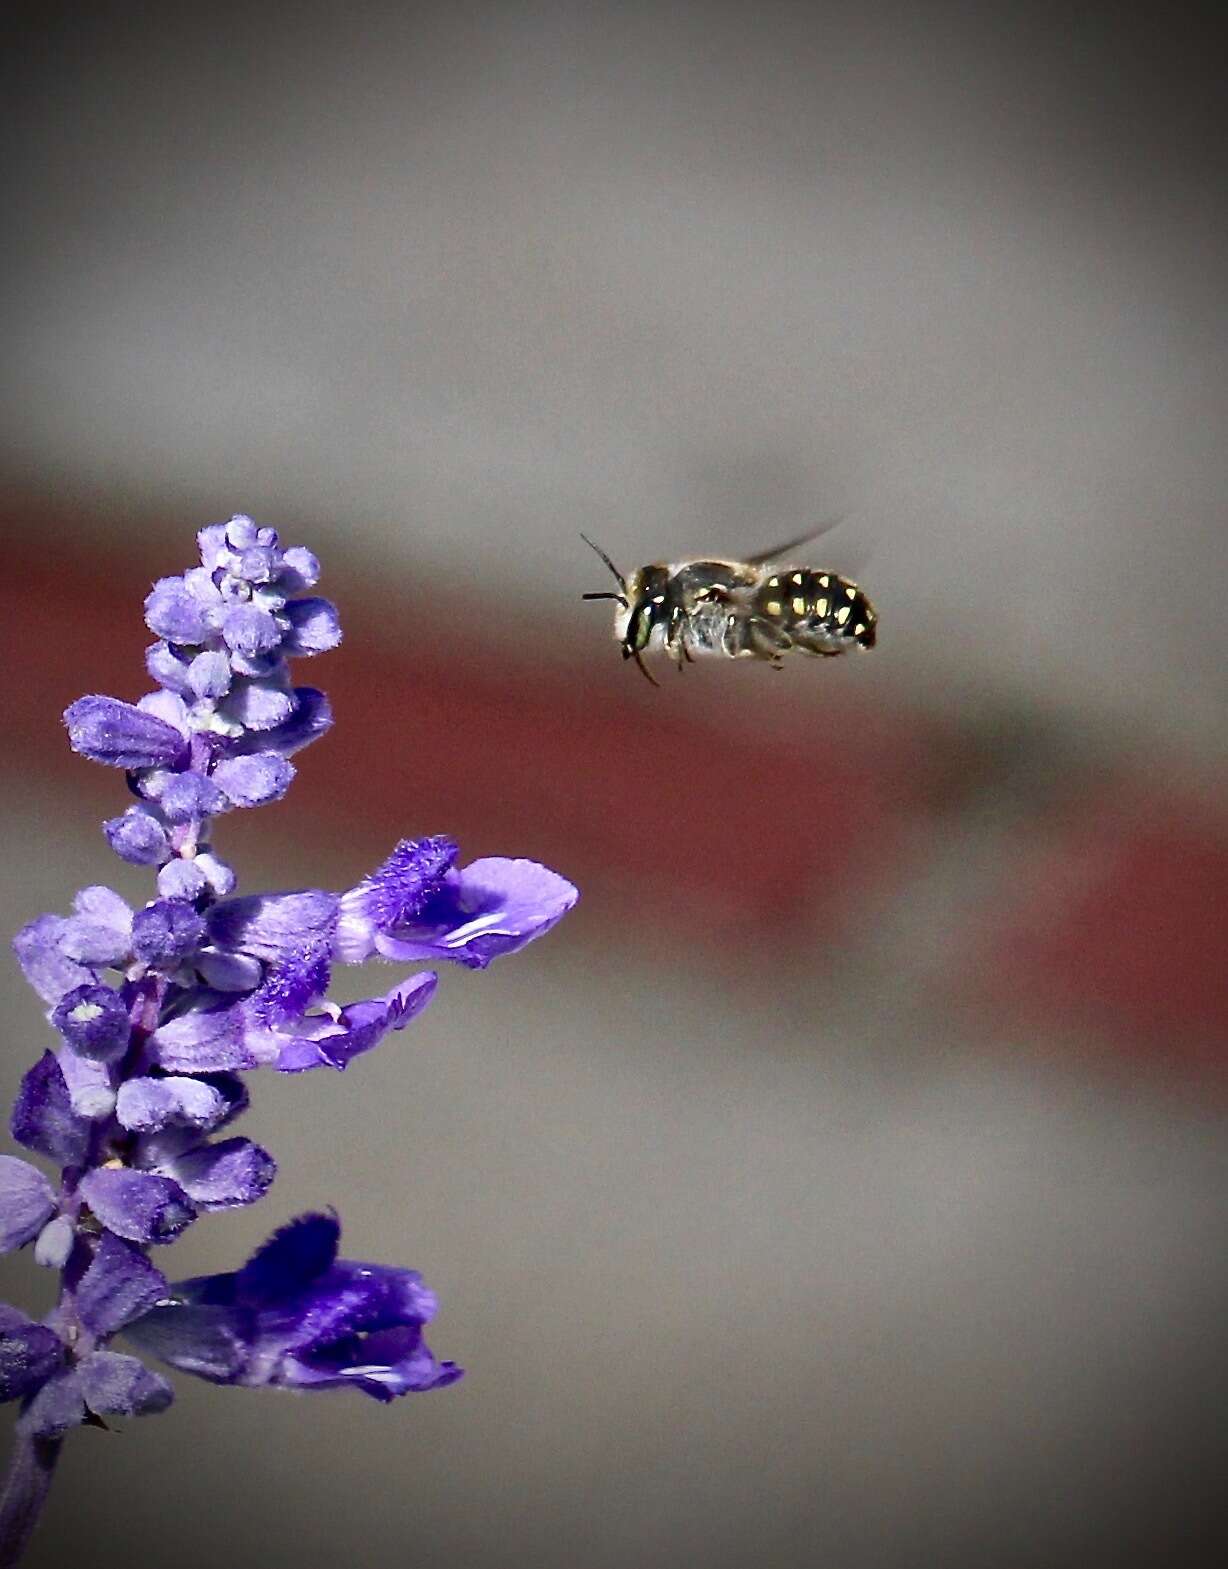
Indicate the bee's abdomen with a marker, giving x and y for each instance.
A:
(818, 612)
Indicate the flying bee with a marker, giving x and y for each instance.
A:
(739, 609)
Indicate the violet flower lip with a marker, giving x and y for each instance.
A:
(157, 1012)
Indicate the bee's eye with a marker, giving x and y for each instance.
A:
(639, 630)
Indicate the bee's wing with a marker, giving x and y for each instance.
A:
(762, 557)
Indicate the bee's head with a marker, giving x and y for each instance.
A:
(647, 607)
(644, 604)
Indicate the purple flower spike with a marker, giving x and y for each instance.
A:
(159, 1011)
(298, 1317)
(27, 1203)
(108, 731)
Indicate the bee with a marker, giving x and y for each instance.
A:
(739, 609)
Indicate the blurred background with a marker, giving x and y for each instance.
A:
(843, 1181)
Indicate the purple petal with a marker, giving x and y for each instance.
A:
(43, 1118)
(225, 1175)
(492, 907)
(188, 795)
(169, 668)
(117, 1385)
(58, 1407)
(99, 932)
(172, 611)
(166, 932)
(393, 895)
(385, 1365)
(91, 1091)
(215, 1036)
(228, 972)
(209, 1342)
(291, 1259)
(119, 1285)
(279, 928)
(209, 675)
(43, 961)
(94, 1022)
(299, 569)
(311, 718)
(108, 731)
(181, 879)
(54, 1244)
(315, 626)
(220, 877)
(257, 705)
(257, 564)
(268, 669)
(242, 533)
(29, 1354)
(170, 708)
(361, 1026)
(138, 837)
(213, 547)
(136, 1204)
(286, 994)
(254, 780)
(297, 1317)
(250, 631)
(144, 1105)
(27, 1202)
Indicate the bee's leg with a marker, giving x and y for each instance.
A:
(676, 637)
(767, 641)
(816, 650)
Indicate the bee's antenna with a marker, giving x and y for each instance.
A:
(605, 594)
(618, 577)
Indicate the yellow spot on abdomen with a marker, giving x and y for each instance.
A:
(799, 606)
(842, 614)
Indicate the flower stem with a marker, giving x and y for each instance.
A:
(31, 1468)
